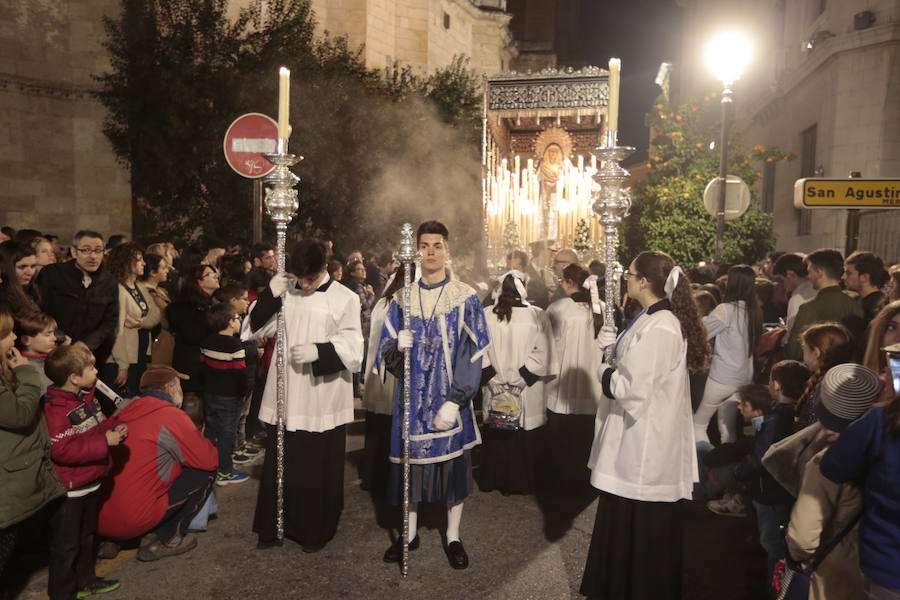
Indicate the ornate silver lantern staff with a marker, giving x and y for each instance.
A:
(407, 256)
(281, 204)
(611, 204)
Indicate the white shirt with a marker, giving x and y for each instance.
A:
(313, 403)
(523, 341)
(802, 294)
(732, 363)
(575, 358)
(378, 396)
(644, 437)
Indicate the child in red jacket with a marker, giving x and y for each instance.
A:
(79, 450)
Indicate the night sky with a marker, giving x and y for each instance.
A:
(643, 33)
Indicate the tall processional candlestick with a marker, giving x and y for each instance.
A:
(612, 200)
(281, 205)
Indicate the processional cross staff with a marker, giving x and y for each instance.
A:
(407, 256)
(281, 205)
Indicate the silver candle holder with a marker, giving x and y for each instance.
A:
(407, 256)
(281, 205)
(612, 202)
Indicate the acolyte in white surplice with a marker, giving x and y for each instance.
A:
(319, 394)
(575, 359)
(523, 342)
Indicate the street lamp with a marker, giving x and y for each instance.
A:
(727, 54)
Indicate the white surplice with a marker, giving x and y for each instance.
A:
(644, 438)
(378, 396)
(575, 359)
(314, 404)
(523, 341)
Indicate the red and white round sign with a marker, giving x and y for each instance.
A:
(247, 139)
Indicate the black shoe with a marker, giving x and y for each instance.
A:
(312, 548)
(395, 552)
(457, 556)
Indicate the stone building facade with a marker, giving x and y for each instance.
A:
(58, 173)
(824, 83)
(424, 34)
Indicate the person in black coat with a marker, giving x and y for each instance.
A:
(187, 322)
(82, 296)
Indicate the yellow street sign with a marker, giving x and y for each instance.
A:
(820, 192)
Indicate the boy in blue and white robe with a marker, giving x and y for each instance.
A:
(449, 337)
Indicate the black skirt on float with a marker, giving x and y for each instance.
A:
(448, 482)
(508, 460)
(636, 550)
(313, 486)
(376, 453)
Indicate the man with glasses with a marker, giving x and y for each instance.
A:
(82, 296)
(561, 260)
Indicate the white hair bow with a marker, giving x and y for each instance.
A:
(518, 280)
(590, 284)
(672, 280)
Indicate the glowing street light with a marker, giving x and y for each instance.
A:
(727, 55)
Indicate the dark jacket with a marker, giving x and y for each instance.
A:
(777, 425)
(29, 481)
(86, 314)
(865, 454)
(77, 429)
(187, 322)
(830, 304)
(223, 365)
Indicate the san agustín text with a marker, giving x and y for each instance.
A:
(887, 195)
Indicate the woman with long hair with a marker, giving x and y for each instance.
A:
(29, 481)
(572, 394)
(824, 345)
(883, 331)
(17, 267)
(138, 315)
(736, 325)
(643, 459)
(187, 322)
(513, 389)
(156, 274)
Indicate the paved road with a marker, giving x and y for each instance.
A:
(520, 547)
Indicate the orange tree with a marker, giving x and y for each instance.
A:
(667, 211)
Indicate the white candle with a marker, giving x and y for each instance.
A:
(615, 68)
(284, 100)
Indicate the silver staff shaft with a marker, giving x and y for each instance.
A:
(281, 204)
(407, 257)
(611, 204)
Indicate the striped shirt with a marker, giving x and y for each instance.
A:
(223, 365)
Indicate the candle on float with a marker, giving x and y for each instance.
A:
(615, 70)
(284, 100)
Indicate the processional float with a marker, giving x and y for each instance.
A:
(550, 166)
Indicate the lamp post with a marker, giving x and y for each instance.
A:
(727, 54)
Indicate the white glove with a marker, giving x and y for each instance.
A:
(280, 283)
(446, 417)
(606, 337)
(304, 354)
(494, 387)
(404, 340)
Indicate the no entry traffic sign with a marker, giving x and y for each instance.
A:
(247, 138)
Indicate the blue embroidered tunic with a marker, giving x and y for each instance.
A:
(450, 336)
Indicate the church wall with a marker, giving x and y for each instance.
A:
(58, 173)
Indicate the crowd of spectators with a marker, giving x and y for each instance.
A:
(127, 395)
